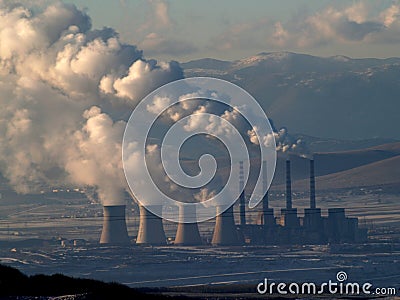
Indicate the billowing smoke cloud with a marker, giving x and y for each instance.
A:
(285, 143)
(65, 90)
(192, 105)
(93, 157)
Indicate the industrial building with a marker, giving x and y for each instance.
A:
(312, 228)
(288, 227)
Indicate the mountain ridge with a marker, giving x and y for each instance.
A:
(331, 97)
(213, 63)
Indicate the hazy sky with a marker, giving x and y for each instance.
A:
(184, 30)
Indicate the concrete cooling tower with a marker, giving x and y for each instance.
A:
(151, 230)
(187, 234)
(114, 225)
(225, 232)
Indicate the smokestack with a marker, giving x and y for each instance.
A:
(312, 216)
(225, 232)
(268, 213)
(264, 174)
(312, 185)
(242, 202)
(289, 217)
(288, 186)
(151, 230)
(187, 233)
(114, 225)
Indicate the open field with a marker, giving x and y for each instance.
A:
(30, 238)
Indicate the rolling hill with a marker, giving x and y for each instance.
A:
(371, 167)
(378, 174)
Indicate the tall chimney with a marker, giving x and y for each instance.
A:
(288, 186)
(312, 185)
(242, 202)
(312, 216)
(187, 233)
(225, 232)
(114, 225)
(151, 230)
(264, 174)
(289, 217)
(268, 213)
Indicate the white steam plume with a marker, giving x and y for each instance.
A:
(64, 91)
(284, 142)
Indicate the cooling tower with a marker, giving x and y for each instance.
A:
(225, 232)
(151, 230)
(289, 214)
(114, 225)
(242, 201)
(187, 233)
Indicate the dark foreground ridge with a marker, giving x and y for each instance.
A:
(16, 285)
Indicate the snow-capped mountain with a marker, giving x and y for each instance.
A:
(336, 96)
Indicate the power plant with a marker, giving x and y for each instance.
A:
(285, 228)
(312, 228)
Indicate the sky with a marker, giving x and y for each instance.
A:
(229, 30)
